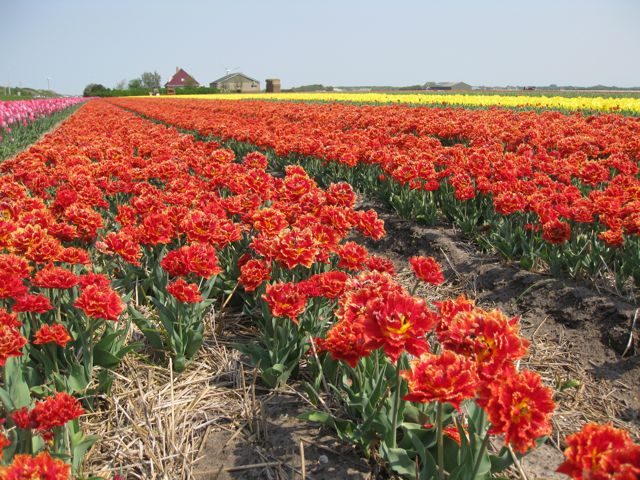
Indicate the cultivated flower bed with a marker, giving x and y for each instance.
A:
(551, 190)
(114, 223)
(26, 111)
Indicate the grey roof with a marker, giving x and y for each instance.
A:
(231, 75)
(444, 84)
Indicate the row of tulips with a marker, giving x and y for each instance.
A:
(544, 188)
(24, 112)
(112, 203)
(23, 122)
(630, 105)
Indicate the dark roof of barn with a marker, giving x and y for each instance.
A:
(181, 78)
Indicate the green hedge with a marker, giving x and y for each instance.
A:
(131, 92)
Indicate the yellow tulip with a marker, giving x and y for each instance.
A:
(629, 105)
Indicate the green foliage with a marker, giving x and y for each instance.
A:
(282, 343)
(175, 328)
(143, 91)
(366, 397)
(316, 87)
(411, 88)
(150, 80)
(135, 84)
(94, 90)
(24, 93)
(192, 90)
(130, 92)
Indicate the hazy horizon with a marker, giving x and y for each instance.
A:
(494, 43)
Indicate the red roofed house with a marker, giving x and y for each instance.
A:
(181, 79)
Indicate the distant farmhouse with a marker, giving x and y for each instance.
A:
(236, 82)
(447, 86)
(181, 79)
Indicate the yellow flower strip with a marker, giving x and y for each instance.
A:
(630, 105)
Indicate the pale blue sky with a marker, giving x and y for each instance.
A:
(491, 42)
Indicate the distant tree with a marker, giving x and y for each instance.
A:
(94, 89)
(121, 85)
(135, 83)
(150, 80)
(411, 88)
(316, 87)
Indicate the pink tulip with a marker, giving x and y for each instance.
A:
(27, 111)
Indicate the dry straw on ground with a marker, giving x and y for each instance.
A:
(153, 423)
(580, 396)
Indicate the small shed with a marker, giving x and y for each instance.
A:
(236, 82)
(273, 85)
(181, 79)
(447, 86)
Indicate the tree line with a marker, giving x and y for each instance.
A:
(142, 85)
(148, 82)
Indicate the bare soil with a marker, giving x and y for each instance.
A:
(275, 449)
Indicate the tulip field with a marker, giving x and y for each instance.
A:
(130, 225)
